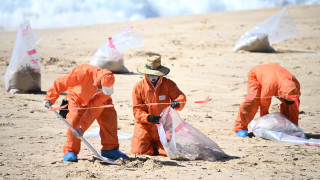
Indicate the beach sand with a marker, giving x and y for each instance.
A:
(198, 50)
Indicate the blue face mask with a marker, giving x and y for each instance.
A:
(153, 78)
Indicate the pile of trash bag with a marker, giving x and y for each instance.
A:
(109, 55)
(277, 28)
(182, 141)
(275, 126)
(24, 71)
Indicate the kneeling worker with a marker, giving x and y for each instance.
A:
(154, 88)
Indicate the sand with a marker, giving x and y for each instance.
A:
(198, 50)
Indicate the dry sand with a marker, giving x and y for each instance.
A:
(198, 50)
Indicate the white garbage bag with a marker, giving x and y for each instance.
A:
(182, 141)
(275, 126)
(24, 71)
(109, 55)
(277, 28)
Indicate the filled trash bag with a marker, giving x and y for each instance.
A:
(109, 55)
(24, 71)
(182, 141)
(277, 28)
(276, 126)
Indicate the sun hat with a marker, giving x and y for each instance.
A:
(153, 66)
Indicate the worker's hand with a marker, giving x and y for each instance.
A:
(77, 135)
(288, 102)
(63, 112)
(242, 133)
(154, 119)
(168, 136)
(174, 104)
(47, 104)
(251, 135)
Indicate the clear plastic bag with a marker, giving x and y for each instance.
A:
(127, 39)
(24, 71)
(276, 126)
(182, 141)
(277, 28)
(109, 55)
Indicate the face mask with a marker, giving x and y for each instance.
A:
(107, 90)
(153, 78)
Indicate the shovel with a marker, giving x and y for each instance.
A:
(104, 159)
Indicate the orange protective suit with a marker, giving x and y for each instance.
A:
(145, 136)
(265, 81)
(82, 91)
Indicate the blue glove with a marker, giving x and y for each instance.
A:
(242, 133)
(113, 154)
(70, 156)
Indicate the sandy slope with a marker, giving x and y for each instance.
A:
(198, 50)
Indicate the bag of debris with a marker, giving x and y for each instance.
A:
(182, 141)
(275, 126)
(24, 71)
(277, 28)
(109, 55)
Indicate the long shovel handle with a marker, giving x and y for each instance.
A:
(110, 161)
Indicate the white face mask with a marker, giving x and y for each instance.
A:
(153, 78)
(107, 90)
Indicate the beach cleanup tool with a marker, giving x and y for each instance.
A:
(277, 28)
(275, 126)
(104, 159)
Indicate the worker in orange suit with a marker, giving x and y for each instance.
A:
(265, 81)
(88, 86)
(154, 88)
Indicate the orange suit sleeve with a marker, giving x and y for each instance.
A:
(140, 111)
(176, 94)
(61, 84)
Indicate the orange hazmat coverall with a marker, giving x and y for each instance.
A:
(82, 92)
(145, 135)
(265, 81)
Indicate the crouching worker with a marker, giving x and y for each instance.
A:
(154, 88)
(265, 81)
(88, 86)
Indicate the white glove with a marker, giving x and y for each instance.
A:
(47, 104)
(78, 134)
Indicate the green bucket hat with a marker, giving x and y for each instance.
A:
(153, 66)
